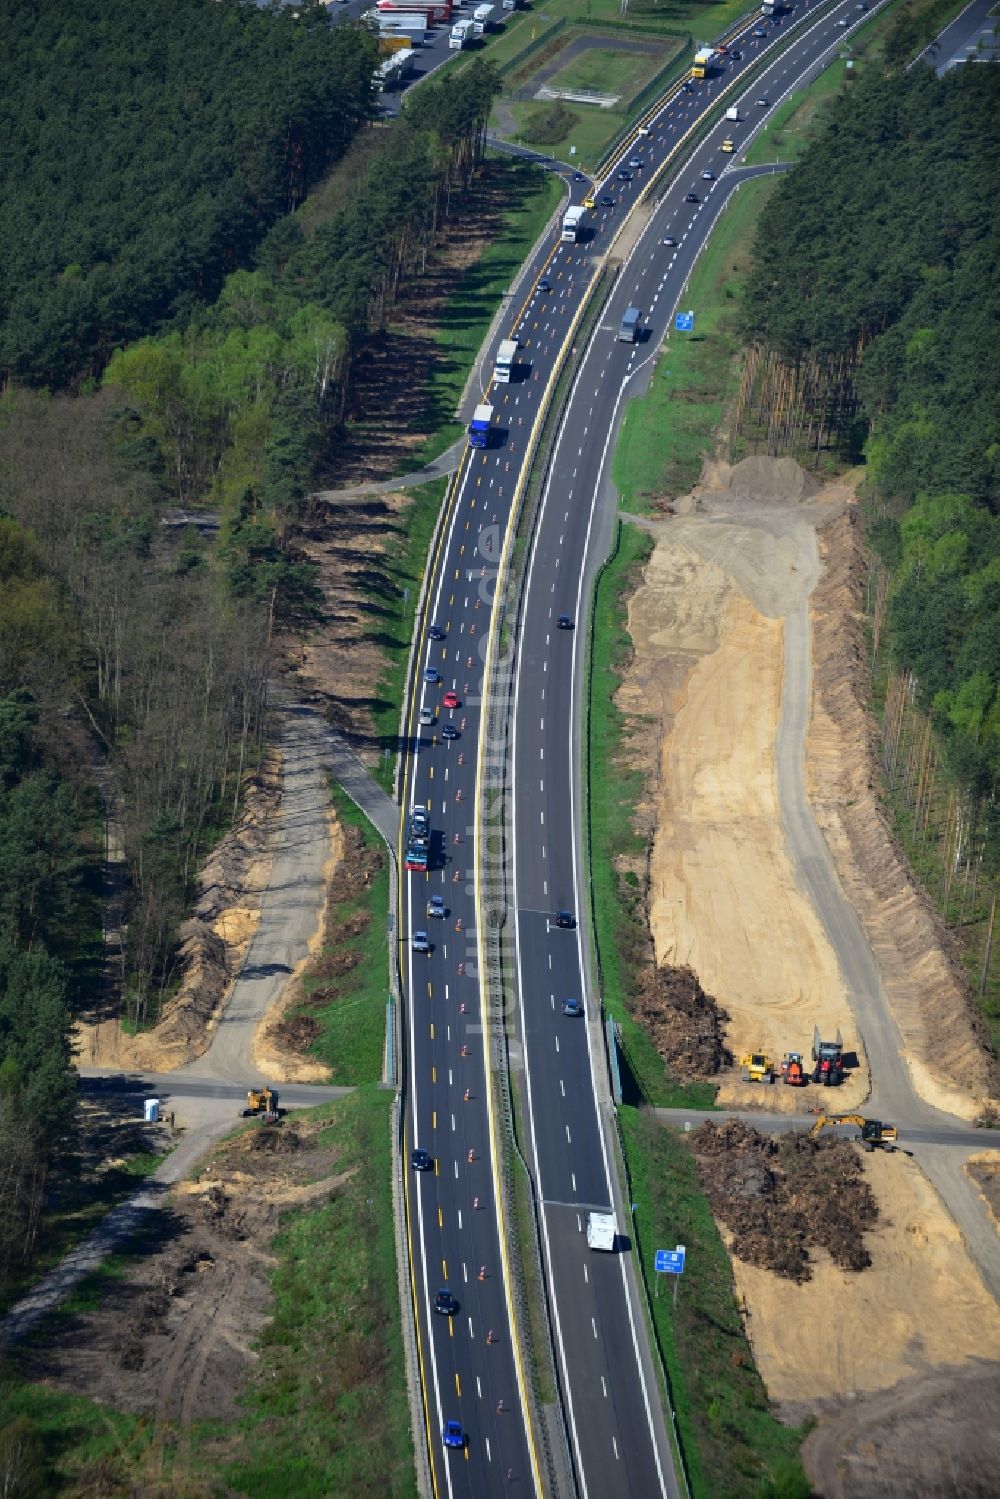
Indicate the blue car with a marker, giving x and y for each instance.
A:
(453, 1435)
(431, 676)
(572, 1007)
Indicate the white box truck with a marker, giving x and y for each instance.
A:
(461, 34)
(572, 223)
(481, 18)
(503, 370)
(601, 1231)
(733, 113)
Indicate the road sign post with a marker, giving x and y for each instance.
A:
(684, 322)
(670, 1262)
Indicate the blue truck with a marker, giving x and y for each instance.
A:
(479, 427)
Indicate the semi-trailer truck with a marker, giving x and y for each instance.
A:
(403, 29)
(462, 33)
(479, 427)
(436, 11)
(572, 223)
(481, 18)
(503, 370)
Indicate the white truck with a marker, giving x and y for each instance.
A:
(571, 224)
(733, 113)
(503, 370)
(412, 27)
(462, 33)
(510, 4)
(601, 1231)
(481, 18)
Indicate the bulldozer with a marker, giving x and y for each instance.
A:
(875, 1133)
(262, 1102)
(756, 1067)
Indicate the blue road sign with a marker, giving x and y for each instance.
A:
(684, 322)
(670, 1261)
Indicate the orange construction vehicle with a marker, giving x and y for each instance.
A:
(793, 1070)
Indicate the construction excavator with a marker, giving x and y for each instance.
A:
(875, 1134)
(262, 1102)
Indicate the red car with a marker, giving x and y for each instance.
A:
(450, 700)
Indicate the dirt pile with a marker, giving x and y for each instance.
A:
(685, 1024)
(920, 965)
(770, 481)
(782, 1198)
(176, 1337)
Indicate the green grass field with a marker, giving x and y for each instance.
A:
(352, 1038)
(667, 434)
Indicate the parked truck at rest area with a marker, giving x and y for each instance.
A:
(438, 12)
(462, 33)
(572, 224)
(503, 370)
(511, 4)
(390, 42)
(479, 427)
(704, 62)
(403, 29)
(481, 18)
(601, 1230)
(393, 69)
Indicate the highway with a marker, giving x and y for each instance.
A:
(471, 1370)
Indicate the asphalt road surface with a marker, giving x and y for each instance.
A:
(616, 1432)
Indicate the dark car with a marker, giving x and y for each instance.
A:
(759, 31)
(577, 176)
(624, 175)
(436, 632)
(607, 201)
(572, 1007)
(670, 242)
(449, 731)
(564, 622)
(452, 1434)
(566, 920)
(685, 88)
(736, 56)
(762, 103)
(545, 284)
(445, 1303)
(691, 198)
(422, 1160)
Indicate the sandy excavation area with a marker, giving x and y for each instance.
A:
(708, 631)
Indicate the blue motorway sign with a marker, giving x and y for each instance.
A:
(684, 322)
(670, 1261)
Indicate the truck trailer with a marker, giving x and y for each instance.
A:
(481, 18)
(404, 30)
(601, 1231)
(479, 427)
(572, 224)
(704, 62)
(503, 370)
(437, 12)
(462, 33)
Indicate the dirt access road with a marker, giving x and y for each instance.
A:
(205, 1095)
(743, 885)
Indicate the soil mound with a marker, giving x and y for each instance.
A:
(781, 1198)
(684, 1023)
(776, 481)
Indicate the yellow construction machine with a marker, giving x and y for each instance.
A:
(756, 1067)
(262, 1102)
(875, 1133)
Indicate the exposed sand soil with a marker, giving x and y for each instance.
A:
(985, 1172)
(708, 638)
(921, 1305)
(918, 960)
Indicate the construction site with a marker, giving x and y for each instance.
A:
(748, 657)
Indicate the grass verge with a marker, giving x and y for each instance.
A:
(668, 433)
(621, 928)
(353, 967)
(331, 1371)
(732, 1443)
(531, 196)
(398, 592)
